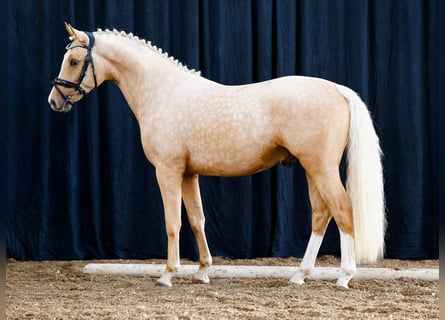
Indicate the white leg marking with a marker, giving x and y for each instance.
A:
(308, 262)
(348, 266)
(201, 276)
(166, 279)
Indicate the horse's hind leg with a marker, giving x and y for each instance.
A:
(334, 195)
(320, 219)
(193, 205)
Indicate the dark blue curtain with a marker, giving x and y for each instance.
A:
(77, 185)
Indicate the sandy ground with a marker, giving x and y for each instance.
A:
(60, 290)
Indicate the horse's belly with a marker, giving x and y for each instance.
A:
(235, 162)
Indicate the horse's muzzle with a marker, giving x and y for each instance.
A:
(64, 106)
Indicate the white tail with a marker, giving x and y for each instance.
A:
(365, 181)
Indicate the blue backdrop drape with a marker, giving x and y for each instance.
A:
(78, 186)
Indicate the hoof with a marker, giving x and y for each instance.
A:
(297, 280)
(342, 283)
(343, 280)
(299, 277)
(200, 280)
(162, 284)
(165, 280)
(343, 287)
(201, 276)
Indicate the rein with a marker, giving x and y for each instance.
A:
(77, 86)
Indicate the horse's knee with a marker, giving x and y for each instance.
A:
(196, 223)
(173, 230)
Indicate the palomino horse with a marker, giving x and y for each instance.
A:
(191, 125)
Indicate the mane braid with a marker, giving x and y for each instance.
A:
(151, 47)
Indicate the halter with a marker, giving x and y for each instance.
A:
(77, 86)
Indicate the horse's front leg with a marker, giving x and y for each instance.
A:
(170, 186)
(193, 205)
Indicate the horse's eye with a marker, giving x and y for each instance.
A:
(74, 62)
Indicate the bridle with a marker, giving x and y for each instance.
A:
(77, 86)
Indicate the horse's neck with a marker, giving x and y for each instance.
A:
(143, 75)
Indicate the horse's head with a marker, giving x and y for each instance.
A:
(77, 75)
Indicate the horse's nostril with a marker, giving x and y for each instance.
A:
(53, 104)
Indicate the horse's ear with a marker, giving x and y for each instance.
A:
(70, 30)
(76, 34)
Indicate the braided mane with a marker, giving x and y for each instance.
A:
(151, 47)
